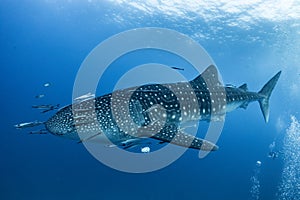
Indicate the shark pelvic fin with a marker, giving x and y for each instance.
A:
(244, 105)
(244, 87)
(266, 92)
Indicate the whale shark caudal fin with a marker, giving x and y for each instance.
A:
(266, 92)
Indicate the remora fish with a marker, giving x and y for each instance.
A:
(157, 111)
(28, 124)
(46, 108)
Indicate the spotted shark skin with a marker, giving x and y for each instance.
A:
(158, 111)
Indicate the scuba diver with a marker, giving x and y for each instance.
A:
(273, 153)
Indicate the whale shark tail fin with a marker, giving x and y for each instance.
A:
(266, 92)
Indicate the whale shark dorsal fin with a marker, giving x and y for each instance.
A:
(211, 73)
(210, 76)
(244, 87)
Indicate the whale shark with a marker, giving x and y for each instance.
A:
(127, 116)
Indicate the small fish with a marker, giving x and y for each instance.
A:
(53, 107)
(39, 96)
(178, 68)
(28, 124)
(46, 108)
(42, 106)
(46, 84)
(85, 97)
(42, 131)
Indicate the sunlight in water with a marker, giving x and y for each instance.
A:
(290, 183)
(248, 11)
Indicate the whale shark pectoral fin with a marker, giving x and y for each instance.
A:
(186, 140)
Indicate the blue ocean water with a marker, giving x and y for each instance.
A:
(46, 41)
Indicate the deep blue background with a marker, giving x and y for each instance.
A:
(46, 42)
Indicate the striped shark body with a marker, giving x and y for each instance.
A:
(158, 111)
